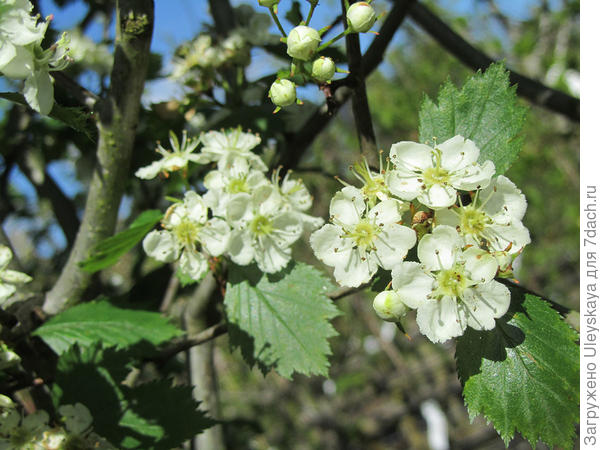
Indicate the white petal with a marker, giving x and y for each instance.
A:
(354, 270)
(239, 208)
(387, 211)
(457, 153)
(438, 196)
(21, 65)
(215, 236)
(309, 222)
(505, 198)
(438, 250)
(266, 200)
(441, 320)
(14, 277)
(481, 265)
(193, 264)
(240, 247)
(404, 185)
(514, 232)
(270, 257)
(195, 207)
(328, 245)
(161, 245)
(150, 171)
(447, 216)
(5, 256)
(411, 156)
(7, 52)
(411, 283)
(474, 176)
(393, 242)
(287, 229)
(347, 205)
(6, 290)
(484, 303)
(39, 91)
(215, 179)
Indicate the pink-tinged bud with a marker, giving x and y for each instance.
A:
(323, 69)
(361, 17)
(282, 93)
(302, 42)
(389, 306)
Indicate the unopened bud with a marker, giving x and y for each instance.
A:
(323, 69)
(389, 306)
(268, 3)
(361, 17)
(302, 42)
(282, 93)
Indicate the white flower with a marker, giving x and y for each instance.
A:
(432, 175)
(452, 288)
(374, 187)
(359, 240)
(187, 228)
(492, 220)
(230, 148)
(172, 160)
(223, 185)
(8, 278)
(297, 199)
(264, 229)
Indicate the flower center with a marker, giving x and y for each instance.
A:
(261, 226)
(473, 221)
(374, 186)
(451, 282)
(435, 175)
(238, 185)
(186, 232)
(364, 234)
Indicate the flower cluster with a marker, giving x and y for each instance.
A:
(22, 57)
(466, 223)
(304, 45)
(9, 278)
(242, 215)
(35, 432)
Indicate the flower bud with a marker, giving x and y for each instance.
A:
(323, 69)
(361, 17)
(268, 3)
(282, 93)
(389, 306)
(302, 42)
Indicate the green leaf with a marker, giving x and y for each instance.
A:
(485, 110)
(77, 118)
(108, 251)
(100, 321)
(524, 374)
(164, 414)
(286, 315)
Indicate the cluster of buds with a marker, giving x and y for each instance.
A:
(243, 215)
(304, 45)
(466, 224)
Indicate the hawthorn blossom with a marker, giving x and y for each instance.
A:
(433, 175)
(359, 239)
(231, 147)
(297, 199)
(187, 231)
(264, 229)
(9, 278)
(172, 160)
(452, 288)
(492, 220)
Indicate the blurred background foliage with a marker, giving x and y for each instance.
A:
(382, 384)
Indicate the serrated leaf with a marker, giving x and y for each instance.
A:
(524, 374)
(286, 315)
(165, 415)
(485, 110)
(100, 321)
(108, 251)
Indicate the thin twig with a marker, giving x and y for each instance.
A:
(532, 90)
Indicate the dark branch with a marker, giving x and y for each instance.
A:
(530, 89)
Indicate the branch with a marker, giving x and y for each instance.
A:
(118, 116)
(299, 142)
(86, 98)
(360, 102)
(193, 340)
(532, 90)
